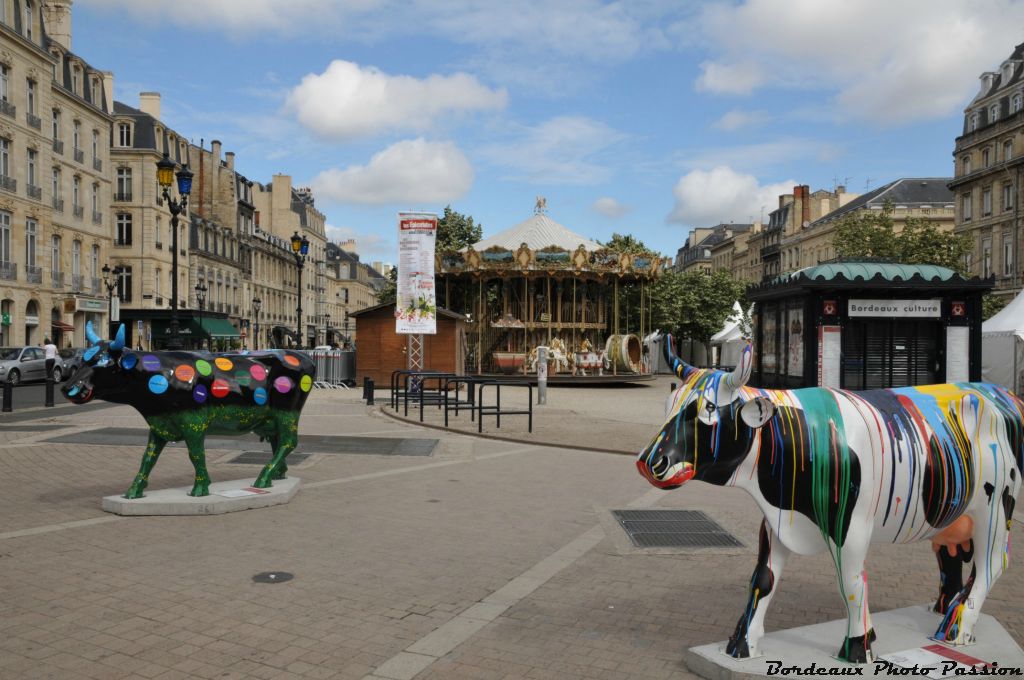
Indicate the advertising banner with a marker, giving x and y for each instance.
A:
(416, 303)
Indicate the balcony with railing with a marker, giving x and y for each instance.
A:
(8, 183)
(94, 286)
(58, 204)
(34, 120)
(77, 283)
(9, 271)
(97, 164)
(79, 211)
(158, 301)
(57, 279)
(34, 192)
(79, 156)
(159, 245)
(34, 274)
(122, 242)
(97, 217)
(122, 196)
(58, 146)
(768, 251)
(8, 109)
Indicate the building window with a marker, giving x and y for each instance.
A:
(965, 165)
(5, 237)
(32, 158)
(124, 229)
(76, 191)
(993, 113)
(94, 92)
(28, 19)
(123, 275)
(4, 82)
(3, 11)
(986, 257)
(55, 185)
(56, 124)
(1007, 149)
(965, 207)
(1018, 102)
(986, 202)
(974, 120)
(95, 145)
(986, 158)
(76, 135)
(124, 134)
(124, 184)
(158, 232)
(95, 199)
(76, 76)
(1007, 254)
(55, 254)
(967, 261)
(5, 157)
(76, 258)
(94, 264)
(1007, 196)
(30, 96)
(159, 277)
(31, 233)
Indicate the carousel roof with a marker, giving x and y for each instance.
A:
(538, 232)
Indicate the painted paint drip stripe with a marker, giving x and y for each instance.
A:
(960, 657)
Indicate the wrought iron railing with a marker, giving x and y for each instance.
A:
(95, 286)
(34, 121)
(159, 301)
(57, 279)
(34, 274)
(34, 192)
(58, 204)
(97, 164)
(97, 217)
(79, 211)
(79, 156)
(122, 195)
(9, 271)
(77, 283)
(58, 146)
(8, 183)
(7, 108)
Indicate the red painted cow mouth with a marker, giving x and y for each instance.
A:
(684, 474)
(82, 396)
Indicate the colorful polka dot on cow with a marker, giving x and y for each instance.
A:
(220, 388)
(199, 394)
(243, 378)
(259, 395)
(283, 384)
(291, 360)
(257, 372)
(128, 361)
(184, 373)
(151, 362)
(204, 367)
(158, 384)
(223, 363)
(306, 384)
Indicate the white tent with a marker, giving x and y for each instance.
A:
(729, 342)
(654, 344)
(1002, 346)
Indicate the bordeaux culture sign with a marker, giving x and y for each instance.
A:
(931, 308)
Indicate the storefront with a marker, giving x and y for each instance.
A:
(867, 325)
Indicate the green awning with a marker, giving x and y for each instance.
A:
(219, 328)
(187, 328)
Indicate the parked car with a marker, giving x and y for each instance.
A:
(18, 364)
(72, 360)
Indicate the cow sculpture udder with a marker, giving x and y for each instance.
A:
(835, 470)
(186, 395)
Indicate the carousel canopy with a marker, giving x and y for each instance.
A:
(538, 232)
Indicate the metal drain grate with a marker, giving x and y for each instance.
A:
(674, 529)
(263, 457)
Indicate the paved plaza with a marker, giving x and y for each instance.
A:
(486, 559)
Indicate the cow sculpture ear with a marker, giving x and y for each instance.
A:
(757, 412)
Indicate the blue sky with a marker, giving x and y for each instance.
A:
(646, 117)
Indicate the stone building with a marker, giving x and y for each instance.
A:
(734, 255)
(54, 193)
(354, 285)
(696, 253)
(987, 159)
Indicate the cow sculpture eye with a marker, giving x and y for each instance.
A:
(708, 414)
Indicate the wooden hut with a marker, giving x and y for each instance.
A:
(380, 350)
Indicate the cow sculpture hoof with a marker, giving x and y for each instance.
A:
(857, 649)
(737, 647)
(200, 489)
(135, 490)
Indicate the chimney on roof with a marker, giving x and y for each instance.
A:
(108, 90)
(229, 157)
(149, 102)
(57, 19)
(987, 79)
(805, 205)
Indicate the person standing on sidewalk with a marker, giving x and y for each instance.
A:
(51, 357)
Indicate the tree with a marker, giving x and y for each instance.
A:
(694, 304)
(455, 230)
(872, 234)
(389, 293)
(626, 243)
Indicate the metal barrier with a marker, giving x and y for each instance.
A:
(335, 368)
(496, 410)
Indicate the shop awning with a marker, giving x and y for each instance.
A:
(284, 330)
(61, 326)
(187, 328)
(220, 328)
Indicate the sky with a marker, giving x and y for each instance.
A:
(642, 117)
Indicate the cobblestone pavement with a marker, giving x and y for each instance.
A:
(488, 559)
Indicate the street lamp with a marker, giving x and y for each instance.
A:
(327, 329)
(164, 176)
(201, 300)
(256, 304)
(111, 284)
(300, 248)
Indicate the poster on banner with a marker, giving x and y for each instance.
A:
(416, 302)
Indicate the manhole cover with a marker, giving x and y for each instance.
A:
(674, 529)
(273, 577)
(263, 457)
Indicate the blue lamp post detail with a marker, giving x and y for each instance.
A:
(300, 248)
(165, 175)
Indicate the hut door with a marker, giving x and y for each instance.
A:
(880, 353)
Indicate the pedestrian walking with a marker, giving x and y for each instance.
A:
(50, 350)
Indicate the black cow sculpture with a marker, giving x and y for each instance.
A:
(185, 395)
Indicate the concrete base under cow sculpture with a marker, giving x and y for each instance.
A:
(224, 497)
(185, 395)
(833, 470)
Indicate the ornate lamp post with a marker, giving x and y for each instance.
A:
(300, 248)
(327, 329)
(165, 175)
(201, 300)
(110, 283)
(256, 304)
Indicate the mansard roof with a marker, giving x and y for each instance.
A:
(911, 192)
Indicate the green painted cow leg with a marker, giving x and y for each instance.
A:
(153, 449)
(197, 454)
(284, 441)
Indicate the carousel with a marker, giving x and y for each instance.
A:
(540, 284)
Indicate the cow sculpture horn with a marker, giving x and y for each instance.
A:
(118, 344)
(90, 334)
(678, 366)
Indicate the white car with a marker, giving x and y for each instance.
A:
(26, 363)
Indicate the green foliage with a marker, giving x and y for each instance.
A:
(626, 243)
(992, 305)
(871, 234)
(455, 230)
(389, 293)
(694, 304)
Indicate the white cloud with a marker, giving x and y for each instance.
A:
(891, 62)
(562, 150)
(609, 207)
(707, 197)
(737, 119)
(409, 172)
(348, 100)
(370, 244)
